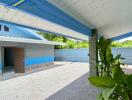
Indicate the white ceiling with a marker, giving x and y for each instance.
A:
(22, 18)
(110, 17)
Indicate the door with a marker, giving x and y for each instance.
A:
(19, 60)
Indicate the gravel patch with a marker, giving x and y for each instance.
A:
(67, 81)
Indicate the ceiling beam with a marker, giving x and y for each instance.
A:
(46, 10)
(122, 36)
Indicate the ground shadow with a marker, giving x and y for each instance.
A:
(79, 89)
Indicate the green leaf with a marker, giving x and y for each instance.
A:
(107, 93)
(103, 82)
(118, 74)
(100, 97)
(129, 81)
(124, 95)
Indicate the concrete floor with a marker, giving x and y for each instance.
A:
(66, 81)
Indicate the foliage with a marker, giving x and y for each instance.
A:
(116, 85)
(103, 81)
(107, 61)
(81, 44)
(53, 37)
(127, 43)
(70, 43)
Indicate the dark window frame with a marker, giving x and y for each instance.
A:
(0, 27)
(6, 28)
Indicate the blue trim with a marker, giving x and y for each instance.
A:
(34, 33)
(38, 29)
(122, 36)
(46, 10)
(38, 60)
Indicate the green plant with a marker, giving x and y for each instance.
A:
(107, 60)
(116, 87)
(105, 56)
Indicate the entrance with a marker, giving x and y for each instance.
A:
(13, 60)
(8, 59)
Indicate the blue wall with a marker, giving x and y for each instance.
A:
(81, 55)
(15, 31)
(72, 55)
(38, 60)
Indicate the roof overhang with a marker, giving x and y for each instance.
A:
(51, 23)
(4, 39)
(72, 18)
(122, 36)
(111, 18)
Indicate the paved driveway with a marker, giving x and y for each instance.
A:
(66, 81)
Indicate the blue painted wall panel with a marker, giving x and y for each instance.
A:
(15, 31)
(72, 55)
(80, 55)
(38, 60)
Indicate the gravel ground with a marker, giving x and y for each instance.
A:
(127, 69)
(66, 81)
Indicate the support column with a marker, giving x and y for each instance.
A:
(93, 53)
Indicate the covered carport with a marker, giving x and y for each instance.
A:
(72, 18)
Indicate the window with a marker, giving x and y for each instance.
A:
(0, 27)
(6, 28)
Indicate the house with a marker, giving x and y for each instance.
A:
(22, 50)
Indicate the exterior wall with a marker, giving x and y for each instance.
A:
(125, 53)
(72, 55)
(36, 58)
(39, 56)
(82, 54)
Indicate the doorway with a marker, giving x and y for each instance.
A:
(8, 59)
(13, 60)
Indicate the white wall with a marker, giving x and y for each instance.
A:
(39, 51)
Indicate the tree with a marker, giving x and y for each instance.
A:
(70, 43)
(127, 43)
